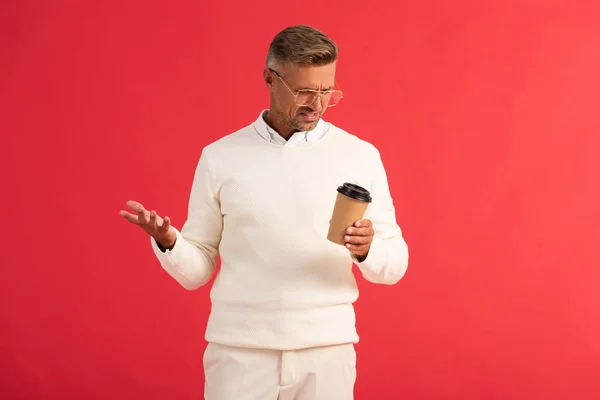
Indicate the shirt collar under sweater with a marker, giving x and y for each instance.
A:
(297, 139)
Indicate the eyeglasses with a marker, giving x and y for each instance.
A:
(306, 97)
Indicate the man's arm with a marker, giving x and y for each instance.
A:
(191, 260)
(387, 259)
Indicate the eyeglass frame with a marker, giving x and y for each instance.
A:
(319, 93)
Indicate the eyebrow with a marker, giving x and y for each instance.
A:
(322, 90)
(305, 88)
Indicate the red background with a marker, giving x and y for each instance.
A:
(486, 114)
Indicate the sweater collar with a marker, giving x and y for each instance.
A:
(298, 138)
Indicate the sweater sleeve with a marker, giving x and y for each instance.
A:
(387, 260)
(192, 260)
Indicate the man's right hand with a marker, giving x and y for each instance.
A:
(152, 223)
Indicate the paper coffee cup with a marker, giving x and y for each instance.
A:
(350, 206)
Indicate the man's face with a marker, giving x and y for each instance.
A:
(297, 77)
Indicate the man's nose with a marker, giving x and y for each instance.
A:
(317, 105)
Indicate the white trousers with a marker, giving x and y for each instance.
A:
(323, 373)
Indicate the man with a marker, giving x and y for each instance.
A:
(282, 324)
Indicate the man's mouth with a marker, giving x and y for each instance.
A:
(309, 116)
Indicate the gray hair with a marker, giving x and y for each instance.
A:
(301, 44)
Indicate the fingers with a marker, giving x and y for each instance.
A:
(129, 217)
(166, 225)
(149, 221)
(156, 222)
(357, 240)
(363, 223)
(152, 220)
(144, 217)
(360, 231)
(359, 250)
(363, 227)
(135, 206)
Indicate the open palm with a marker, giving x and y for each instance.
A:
(156, 226)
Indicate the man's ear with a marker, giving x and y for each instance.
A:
(268, 76)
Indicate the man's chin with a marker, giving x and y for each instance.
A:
(306, 126)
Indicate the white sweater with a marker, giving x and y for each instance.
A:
(264, 209)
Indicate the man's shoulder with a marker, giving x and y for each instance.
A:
(355, 141)
(230, 140)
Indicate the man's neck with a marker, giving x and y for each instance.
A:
(278, 126)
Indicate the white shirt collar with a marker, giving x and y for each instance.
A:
(297, 139)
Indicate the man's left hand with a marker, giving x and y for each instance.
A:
(359, 237)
